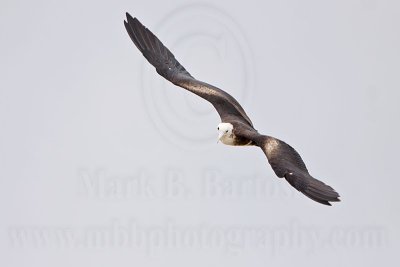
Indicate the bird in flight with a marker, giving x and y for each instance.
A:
(236, 128)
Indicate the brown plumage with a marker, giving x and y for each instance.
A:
(284, 160)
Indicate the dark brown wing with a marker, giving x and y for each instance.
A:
(167, 66)
(286, 162)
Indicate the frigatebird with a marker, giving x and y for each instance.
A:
(236, 128)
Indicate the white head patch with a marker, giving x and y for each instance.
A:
(224, 129)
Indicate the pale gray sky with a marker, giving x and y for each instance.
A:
(104, 163)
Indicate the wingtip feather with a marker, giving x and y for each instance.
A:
(313, 188)
(128, 16)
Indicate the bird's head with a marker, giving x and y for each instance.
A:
(224, 129)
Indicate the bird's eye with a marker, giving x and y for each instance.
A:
(226, 131)
(218, 128)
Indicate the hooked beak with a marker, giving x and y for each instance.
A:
(220, 134)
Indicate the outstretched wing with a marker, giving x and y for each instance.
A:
(286, 162)
(167, 66)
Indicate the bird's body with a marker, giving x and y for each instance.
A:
(236, 128)
(233, 140)
(228, 137)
